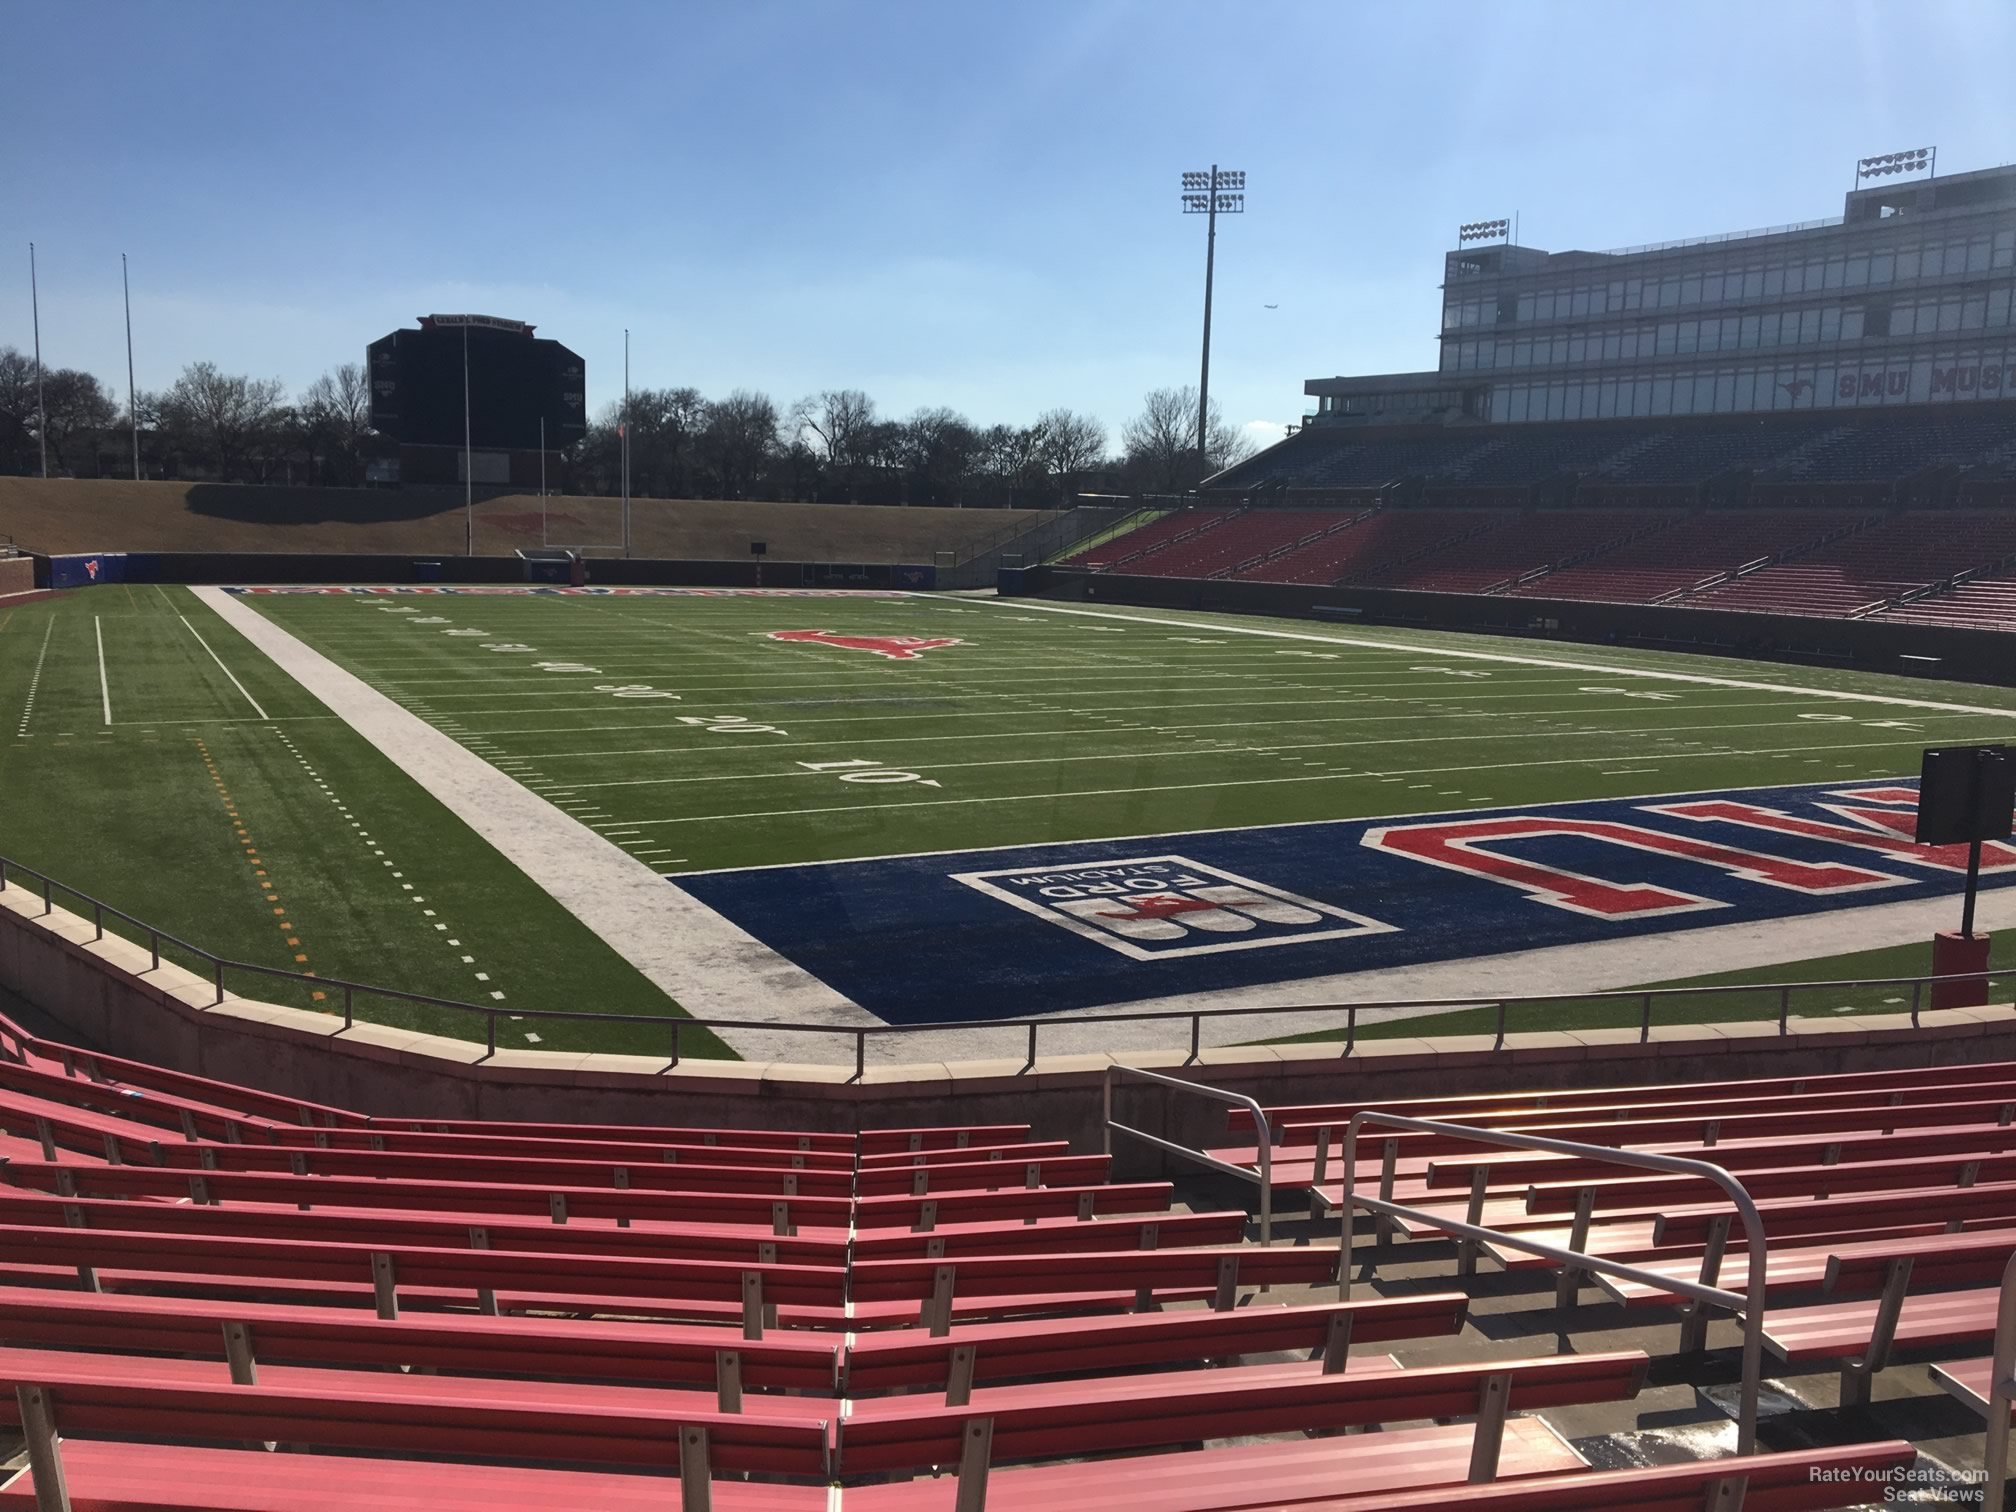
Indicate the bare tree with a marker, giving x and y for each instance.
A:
(738, 438)
(837, 421)
(219, 415)
(838, 426)
(937, 448)
(17, 411)
(332, 420)
(1071, 443)
(1161, 441)
(664, 425)
(75, 404)
(1013, 453)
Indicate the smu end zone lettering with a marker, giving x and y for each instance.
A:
(1460, 845)
(1886, 831)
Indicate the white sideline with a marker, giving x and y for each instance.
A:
(712, 967)
(1519, 661)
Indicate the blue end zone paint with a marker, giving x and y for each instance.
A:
(912, 943)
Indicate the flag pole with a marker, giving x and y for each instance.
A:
(468, 457)
(132, 401)
(41, 410)
(626, 441)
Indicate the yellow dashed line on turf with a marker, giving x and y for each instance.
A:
(406, 889)
(261, 876)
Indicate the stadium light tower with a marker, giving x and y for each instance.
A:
(1221, 191)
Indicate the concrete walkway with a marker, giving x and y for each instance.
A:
(709, 966)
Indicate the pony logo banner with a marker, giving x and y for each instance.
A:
(895, 647)
(1151, 907)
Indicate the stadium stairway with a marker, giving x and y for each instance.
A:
(444, 1315)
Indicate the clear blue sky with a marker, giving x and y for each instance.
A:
(968, 204)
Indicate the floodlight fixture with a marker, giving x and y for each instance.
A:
(1915, 160)
(1210, 193)
(1483, 230)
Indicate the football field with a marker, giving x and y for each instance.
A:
(921, 801)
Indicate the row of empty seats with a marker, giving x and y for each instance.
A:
(1526, 544)
(449, 1315)
(1813, 447)
(1902, 554)
(1687, 552)
(1984, 603)
(1831, 562)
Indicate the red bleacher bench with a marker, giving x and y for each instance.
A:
(1112, 1414)
(1861, 1335)
(669, 1354)
(1219, 1271)
(126, 1395)
(982, 1352)
(103, 1476)
(662, 1240)
(612, 1201)
(586, 1276)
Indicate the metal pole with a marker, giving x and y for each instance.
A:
(132, 401)
(41, 410)
(542, 480)
(1204, 377)
(468, 458)
(1973, 886)
(626, 441)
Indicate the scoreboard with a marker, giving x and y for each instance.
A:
(515, 380)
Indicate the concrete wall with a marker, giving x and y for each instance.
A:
(111, 994)
(1876, 645)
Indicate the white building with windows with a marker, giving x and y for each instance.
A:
(1905, 298)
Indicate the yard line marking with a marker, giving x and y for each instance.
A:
(1271, 748)
(35, 681)
(1536, 661)
(1185, 787)
(1120, 728)
(104, 687)
(220, 663)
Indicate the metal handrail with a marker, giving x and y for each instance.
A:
(1749, 1303)
(1026, 1029)
(1218, 1096)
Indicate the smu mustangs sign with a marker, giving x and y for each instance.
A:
(1042, 928)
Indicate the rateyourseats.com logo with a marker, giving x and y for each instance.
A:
(1152, 907)
(1923, 1484)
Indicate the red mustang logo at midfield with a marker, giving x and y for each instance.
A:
(895, 647)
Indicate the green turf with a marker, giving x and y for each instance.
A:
(1040, 726)
(341, 859)
(1048, 727)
